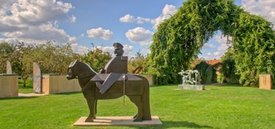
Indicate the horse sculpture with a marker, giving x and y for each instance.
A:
(136, 90)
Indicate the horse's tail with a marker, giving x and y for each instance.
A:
(146, 100)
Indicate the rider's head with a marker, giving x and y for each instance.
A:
(118, 49)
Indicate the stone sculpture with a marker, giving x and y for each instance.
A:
(37, 79)
(8, 68)
(112, 83)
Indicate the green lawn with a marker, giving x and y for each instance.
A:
(230, 107)
(27, 89)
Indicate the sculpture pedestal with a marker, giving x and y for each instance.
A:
(116, 120)
(190, 87)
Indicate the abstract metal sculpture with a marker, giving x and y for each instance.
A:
(191, 77)
(191, 80)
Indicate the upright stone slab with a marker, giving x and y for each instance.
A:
(37, 79)
(9, 68)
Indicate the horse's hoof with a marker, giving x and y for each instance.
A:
(89, 119)
(135, 116)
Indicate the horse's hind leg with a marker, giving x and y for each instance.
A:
(138, 102)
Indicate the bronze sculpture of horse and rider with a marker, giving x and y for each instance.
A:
(112, 82)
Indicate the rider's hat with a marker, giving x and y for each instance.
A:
(117, 45)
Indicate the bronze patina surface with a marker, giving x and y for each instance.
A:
(115, 83)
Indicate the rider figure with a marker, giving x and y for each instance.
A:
(116, 67)
(117, 64)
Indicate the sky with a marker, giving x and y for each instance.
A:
(87, 24)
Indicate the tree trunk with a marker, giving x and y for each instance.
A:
(24, 81)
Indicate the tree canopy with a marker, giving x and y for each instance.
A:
(6, 50)
(51, 58)
(178, 40)
(97, 59)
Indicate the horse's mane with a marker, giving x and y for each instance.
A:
(90, 68)
(85, 66)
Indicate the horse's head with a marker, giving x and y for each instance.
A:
(78, 70)
(71, 71)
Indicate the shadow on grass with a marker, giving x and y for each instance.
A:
(155, 86)
(233, 85)
(175, 124)
(68, 93)
(223, 84)
(19, 97)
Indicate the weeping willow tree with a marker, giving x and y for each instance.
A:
(178, 40)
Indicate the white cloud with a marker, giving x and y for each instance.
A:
(100, 33)
(9, 28)
(139, 35)
(73, 19)
(33, 20)
(224, 42)
(4, 6)
(132, 19)
(109, 49)
(127, 18)
(80, 49)
(167, 12)
(208, 45)
(41, 32)
(33, 12)
(216, 47)
(141, 20)
(217, 53)
(264, 8)
(127, 49)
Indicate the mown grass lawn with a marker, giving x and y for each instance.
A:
(27, 89)
(230, 107)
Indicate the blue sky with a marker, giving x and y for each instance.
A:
(103, 22)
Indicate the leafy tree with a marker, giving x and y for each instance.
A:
(96, 58)
(16, 61)
(206, 72)
(137, 64)
(51, 58)
(254, 48)
(179, 39)
(229, 70)
(6, 50)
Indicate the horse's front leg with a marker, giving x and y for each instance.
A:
(91, 101)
